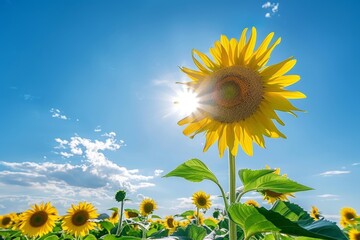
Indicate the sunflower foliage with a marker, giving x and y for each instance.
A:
(283, 221)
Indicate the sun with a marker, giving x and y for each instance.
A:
(186, 101)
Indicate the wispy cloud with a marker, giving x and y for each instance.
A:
(158, 172)
(332, 173)
(56, 113)
(328, 197)
(355, 164)
(97, 129)
(272, 8)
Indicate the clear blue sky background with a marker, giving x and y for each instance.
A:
(72, 72)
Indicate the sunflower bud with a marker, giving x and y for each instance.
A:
(120, 195)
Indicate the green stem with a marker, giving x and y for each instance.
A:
(223, 196)
(197, 216)
(118, 231)
(232, 178)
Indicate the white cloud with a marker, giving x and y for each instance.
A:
(274, 8)
(97, 129)
(94, 178)
(329, 197)
(158, 172)
(355, 164)
(332, 173)
(266, 5)
(28, 97)
(57, 114)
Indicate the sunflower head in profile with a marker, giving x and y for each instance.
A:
(147, 206)
(114, 217)
(201, 200)
(170, 223)
(314, 213)
(253, 203)
(131, 213)
(354, 234)
(237, 94)
(38, 220)
(77, 221)
(8, 220)
(348, 216)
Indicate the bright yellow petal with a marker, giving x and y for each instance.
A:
(284, 81)
(278, 69)
(207, 61)
(222, 139)
(194, 75)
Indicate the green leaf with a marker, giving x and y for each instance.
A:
(107, 225)
(160, 234)
(128, 238)
(265, 179)
(155, 216)
(90, 237)
(110, 237)
(196, 233)
(210, 223)
(193, 170)
(292, 212)
(250, 220)
(319, 229)
(187, 213)
(53, 237)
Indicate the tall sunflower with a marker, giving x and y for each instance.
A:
(201, 200)
(147, 206)
(238, 93)
(38, 220)
(77, 221)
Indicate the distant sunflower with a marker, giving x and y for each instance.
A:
(170, 223)
(184, 223)
(212, 219)
(354, 234)
(315, 214)
(8, 220)
(272, 196)
(77, 221)
(130, 214)
(201, 200)
(252, 202)
(238, 94)
(348, 216)
(147, 206)
(114, 218)
(194, 217)
(38, 220)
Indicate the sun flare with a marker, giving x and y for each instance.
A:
(186, 101)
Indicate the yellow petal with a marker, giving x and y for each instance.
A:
(278, 69)
(231, 139)
(280, 103)
(194, 75)
(284, 81)
(225, 43)
(262, 60)
(241, 45)
(211, 137)
(207, 61)
(222, 140)
(249, 48)
(199, 65)
(244, 139)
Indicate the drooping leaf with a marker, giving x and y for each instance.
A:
(265, 179)
(292, 212)
(250, 220)
(193, 170)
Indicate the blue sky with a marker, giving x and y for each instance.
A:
(87, 87)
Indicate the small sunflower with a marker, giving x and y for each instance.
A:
(77, 221)
(38, 220)
(130, 214)
(354, 234)
(238, 94)
(272, 196)
(348, 216)
(184, 223)
(170, 223)
(147, 206)
(315, 214)
(212, 219)
(194, 217)
(114, 218)
(201, 200)
(8, 220)
(252, 202)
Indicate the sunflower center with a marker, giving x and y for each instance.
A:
(38, 219)
(5, 221)
(170, 222)
(349, 216)
(148, 208)
(201, 201)
(272, 194)
(231, 94)
(80, 218)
